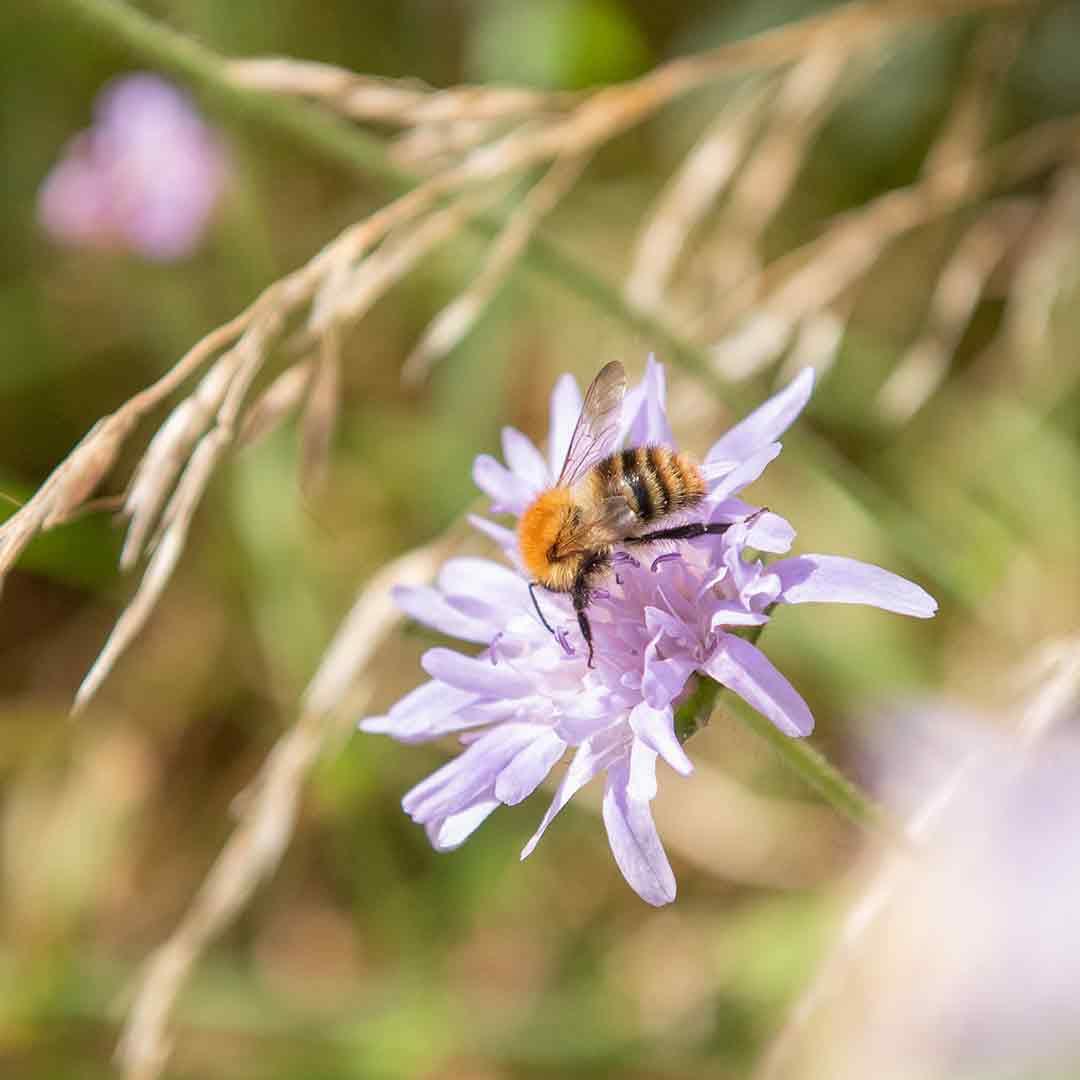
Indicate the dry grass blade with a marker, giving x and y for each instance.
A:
(923, 367)
(1053, 674)
(256, 845)
(687, 197)
(1038, 279)
(830, 265)
(278, 401)
(78, 475)
(407, 103)
(455, 320)
(320, 413)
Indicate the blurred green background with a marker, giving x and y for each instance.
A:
(368, 955)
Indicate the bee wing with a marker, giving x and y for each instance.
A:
(612, 520)
(598, 425)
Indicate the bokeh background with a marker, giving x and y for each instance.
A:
(368, 955)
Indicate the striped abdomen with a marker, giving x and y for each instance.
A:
(654, 480)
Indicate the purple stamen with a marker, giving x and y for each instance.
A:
(491, 648)
(663, 559)
(599, 594)
(618, 579)
(624, 557)
(561, 638)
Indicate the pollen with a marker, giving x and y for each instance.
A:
(539, 527)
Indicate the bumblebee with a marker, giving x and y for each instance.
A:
(604, 498)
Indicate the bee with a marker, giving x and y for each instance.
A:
(604, 498)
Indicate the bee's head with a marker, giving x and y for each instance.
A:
(539, 528)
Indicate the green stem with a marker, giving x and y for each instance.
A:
(797, 754)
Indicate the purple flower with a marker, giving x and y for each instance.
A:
(528, 697)
(145, 176)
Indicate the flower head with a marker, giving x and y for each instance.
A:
(144, 177)
(661, 620)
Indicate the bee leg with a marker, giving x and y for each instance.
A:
(581, 599)
(536, 604)
(680, 532)
(580, 594)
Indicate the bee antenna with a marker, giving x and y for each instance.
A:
(536, 604)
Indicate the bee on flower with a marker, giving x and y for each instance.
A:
(623, 630)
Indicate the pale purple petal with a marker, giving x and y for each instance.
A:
(504, 537)
(468, 777)
(663, 680)
(591, 758)
(528, 768)
(766, 423)
(524, 459)
(509, 493)
(451, 832)
(734, 613)
(644, 420)
(833, 579)
(746, 472)
(478, 675)
(634, 840)
(746, 670)
(566, 405)
(656, 729)
(428, 606)
(496, 585)
(431, 710)
(767, 532)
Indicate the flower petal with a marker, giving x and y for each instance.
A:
(656, 729)
(644, 418)
(566, 405)
(593, 756)
(747, 671)
(504, 537)
(663, 680)
(746, 472)
(509, 493)
(833, 579)
(766, 423)
(634, 840)
(491, 582)
(428, 606)
(525, 461)
(431, 710)
(451, 832)
(478, 675)
(468, 777)
(528, 768)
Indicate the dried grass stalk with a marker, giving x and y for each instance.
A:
(277, 402)
(454, 321)
(320, 413)
(403, 102)
(814, 276)
(262, 834)
(924, 366)
(687, 197)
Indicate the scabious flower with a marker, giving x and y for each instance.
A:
(660, 619)
(144, 177)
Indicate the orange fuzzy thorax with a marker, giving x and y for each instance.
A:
(539, 527)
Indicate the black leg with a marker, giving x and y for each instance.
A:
(581, 601)
(680, 532)
(536, 604)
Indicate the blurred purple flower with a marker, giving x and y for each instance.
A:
(528, 697)
(144, 177)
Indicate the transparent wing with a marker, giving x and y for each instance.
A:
(597, 426)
